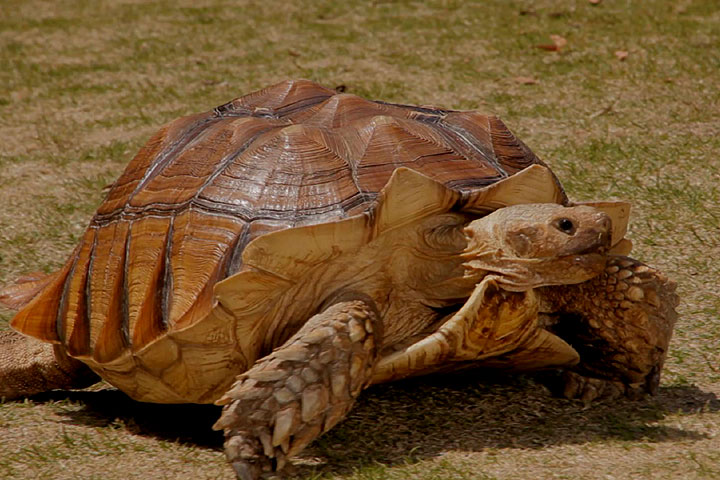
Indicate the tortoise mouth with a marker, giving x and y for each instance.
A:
(581, 265)
(599, 247)
(564, 270)
(584, 258)
(602, 249)
(574, 269)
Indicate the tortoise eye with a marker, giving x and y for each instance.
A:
(566, 225)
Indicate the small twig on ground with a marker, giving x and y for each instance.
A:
(604, 111)
(709, 362)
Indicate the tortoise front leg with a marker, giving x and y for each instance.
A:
(300, 390)
(495, 328)
(620, 323)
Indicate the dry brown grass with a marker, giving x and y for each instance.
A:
(84, 83)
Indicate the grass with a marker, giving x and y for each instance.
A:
(84, 83)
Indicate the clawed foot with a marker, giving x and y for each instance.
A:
(299, 391)
(620, 323)
(587, 389)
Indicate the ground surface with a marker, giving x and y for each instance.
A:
(628, 108)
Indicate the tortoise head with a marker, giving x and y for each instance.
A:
(535, 245)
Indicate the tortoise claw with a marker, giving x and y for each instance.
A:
(300, 390)
(589, 389)
(652, 381)
(619, 322)
(246, 471)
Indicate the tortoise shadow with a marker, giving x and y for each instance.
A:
(408, 421)
(183, 423)
(418, 419)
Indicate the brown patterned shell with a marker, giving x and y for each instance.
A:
(177, 220)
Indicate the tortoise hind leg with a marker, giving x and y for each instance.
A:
(300, 390)
(620, 323)
(28, 367)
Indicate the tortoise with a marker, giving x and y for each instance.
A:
(286, 250)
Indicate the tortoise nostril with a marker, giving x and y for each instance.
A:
(603, 238)
(604, 221)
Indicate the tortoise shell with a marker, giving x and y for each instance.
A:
(178, 219)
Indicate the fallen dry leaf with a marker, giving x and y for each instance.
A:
(604, 111)
(526, 80)
(621, 55)
(557, 45)
(559, 41)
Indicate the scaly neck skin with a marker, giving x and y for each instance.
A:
(553, 299)
(417, 273)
